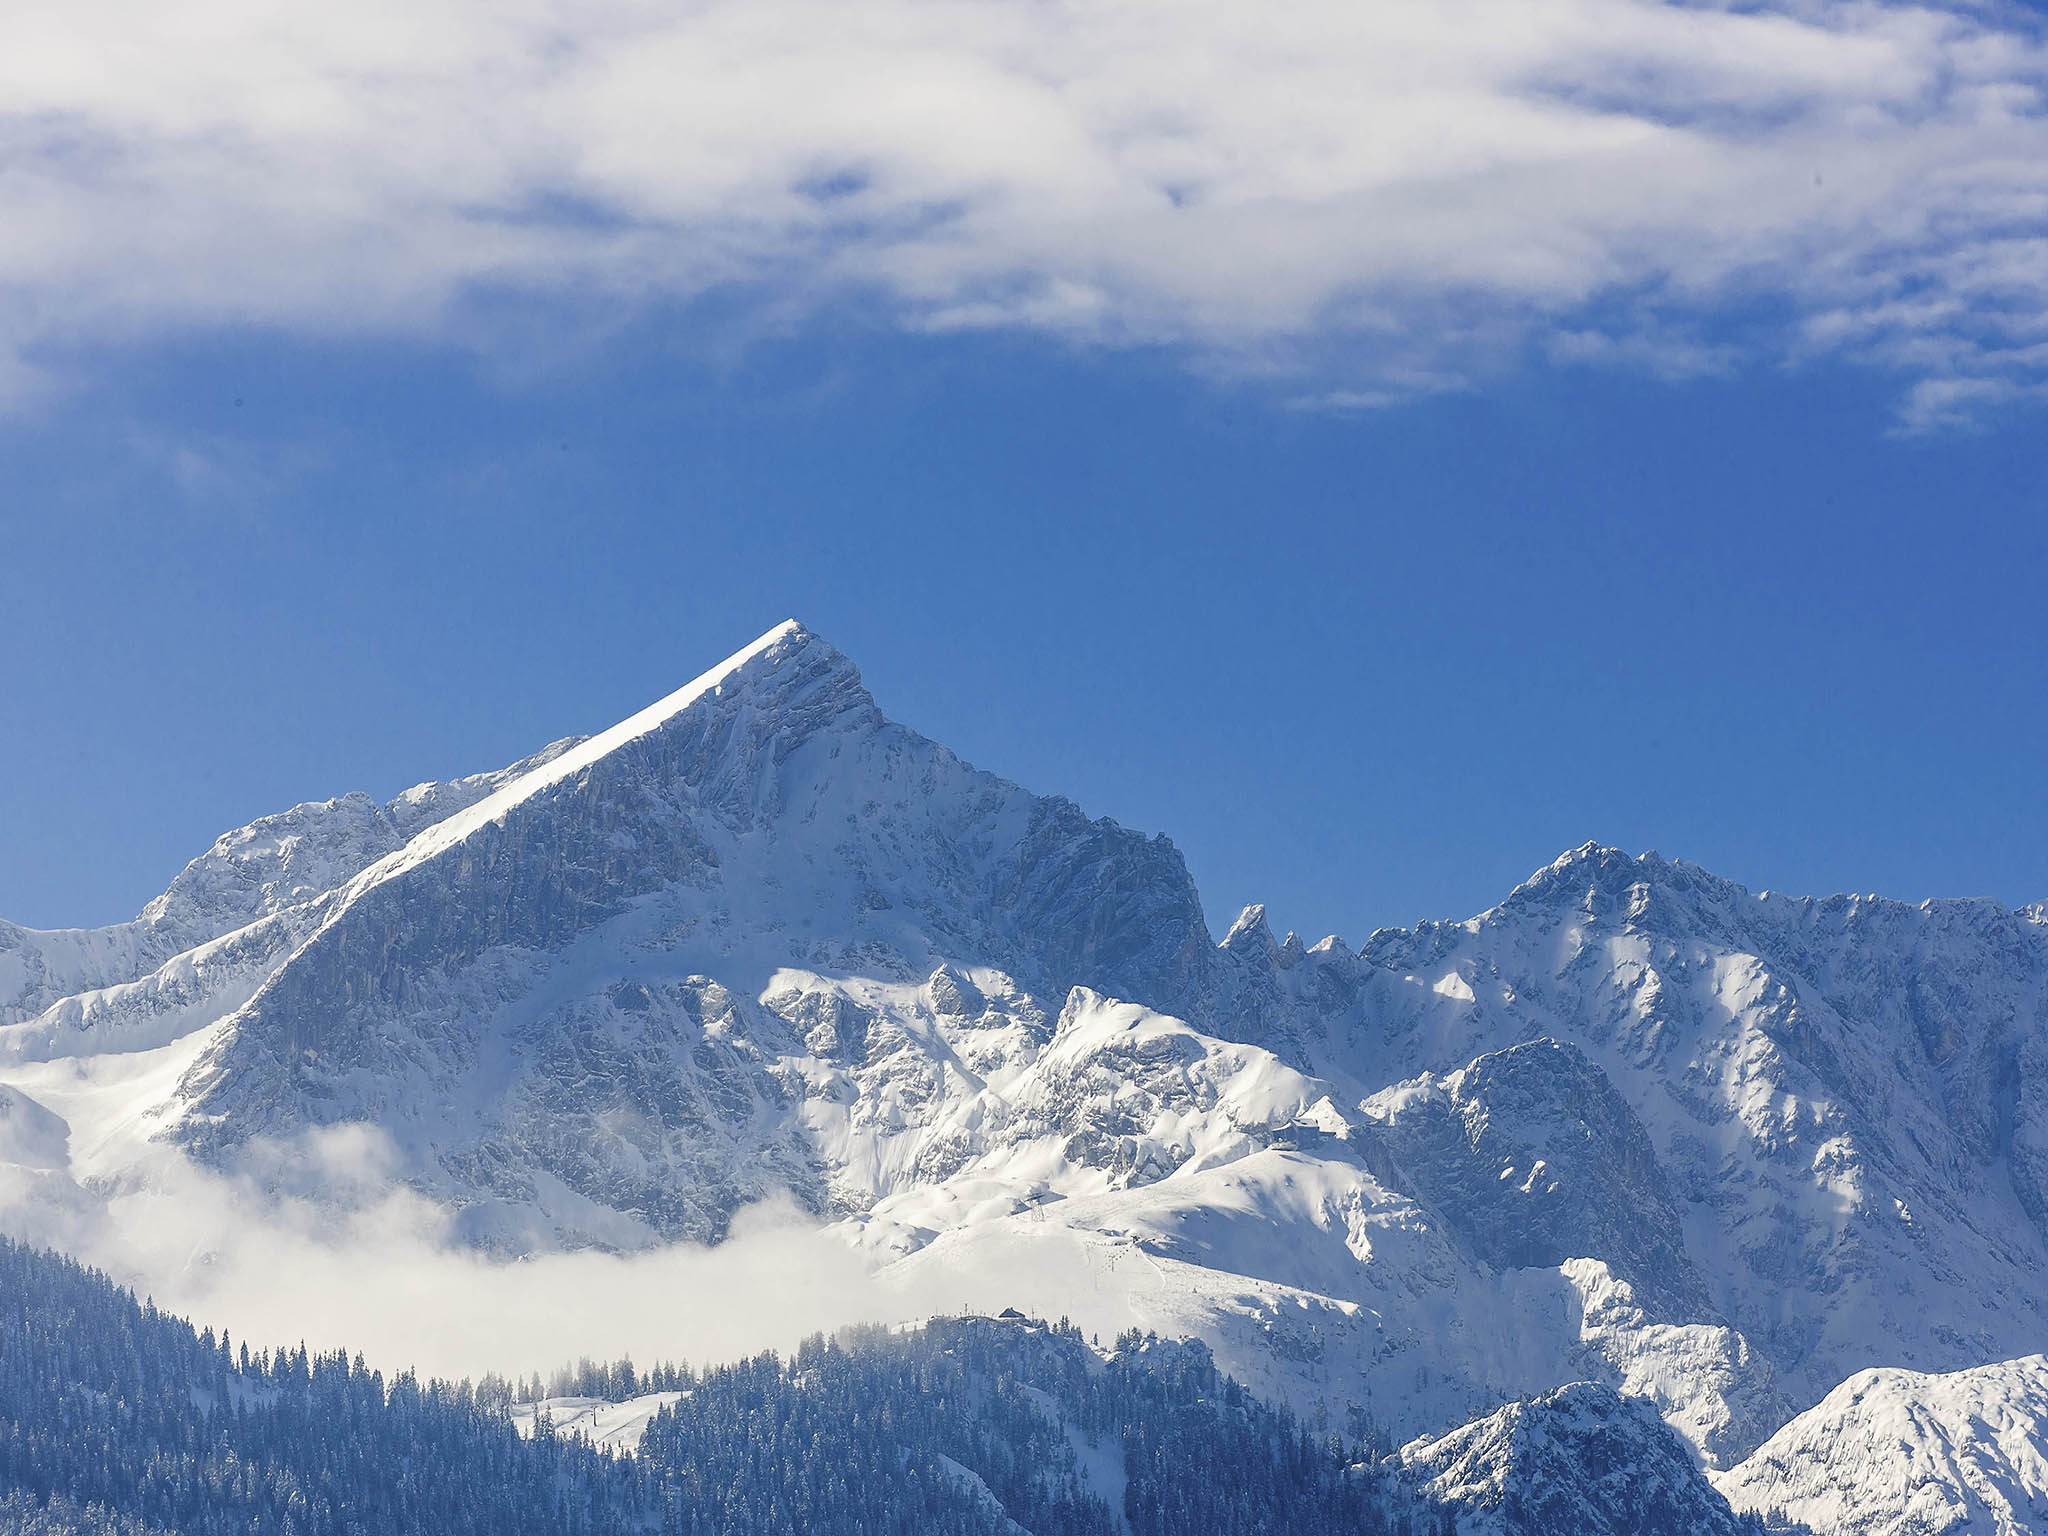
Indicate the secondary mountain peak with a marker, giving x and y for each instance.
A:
(1607, 868)
(1251, 936)
(1580, 1458)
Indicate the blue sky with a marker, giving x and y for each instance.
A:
(1366, 667)
(1379, 460)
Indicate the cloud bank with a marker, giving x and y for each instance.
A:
(1386, 198)
(318, 1245)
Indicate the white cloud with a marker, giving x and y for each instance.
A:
(1368, 192)
(312, 1242)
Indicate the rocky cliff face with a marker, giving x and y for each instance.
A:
(1531, 1157)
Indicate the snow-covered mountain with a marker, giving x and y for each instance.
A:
(1634, 1126)
(282, 864)
(1897, 1453)
(1579, 1459)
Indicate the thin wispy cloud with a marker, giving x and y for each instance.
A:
(1372, 193)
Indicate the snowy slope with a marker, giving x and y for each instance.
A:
(30, 1136)
(1896, 1453)
(1634, 1126)
(1204, 1188)
(613, 1426)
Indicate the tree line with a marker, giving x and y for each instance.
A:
(120, 1420)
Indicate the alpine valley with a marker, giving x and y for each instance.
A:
(1637, 1202)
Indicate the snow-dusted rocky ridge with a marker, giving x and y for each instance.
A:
(282, 865)
(1848, 1098)
(1634, 1126)
(1896, 1453)
(1580, 1459)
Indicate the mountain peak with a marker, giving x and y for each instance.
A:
(765, 815)
(790, 672)
(782, 663)
(1604, 876)
(1250, 936)
(1898, 1450)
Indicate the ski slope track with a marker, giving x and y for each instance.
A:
(1716, 1156)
